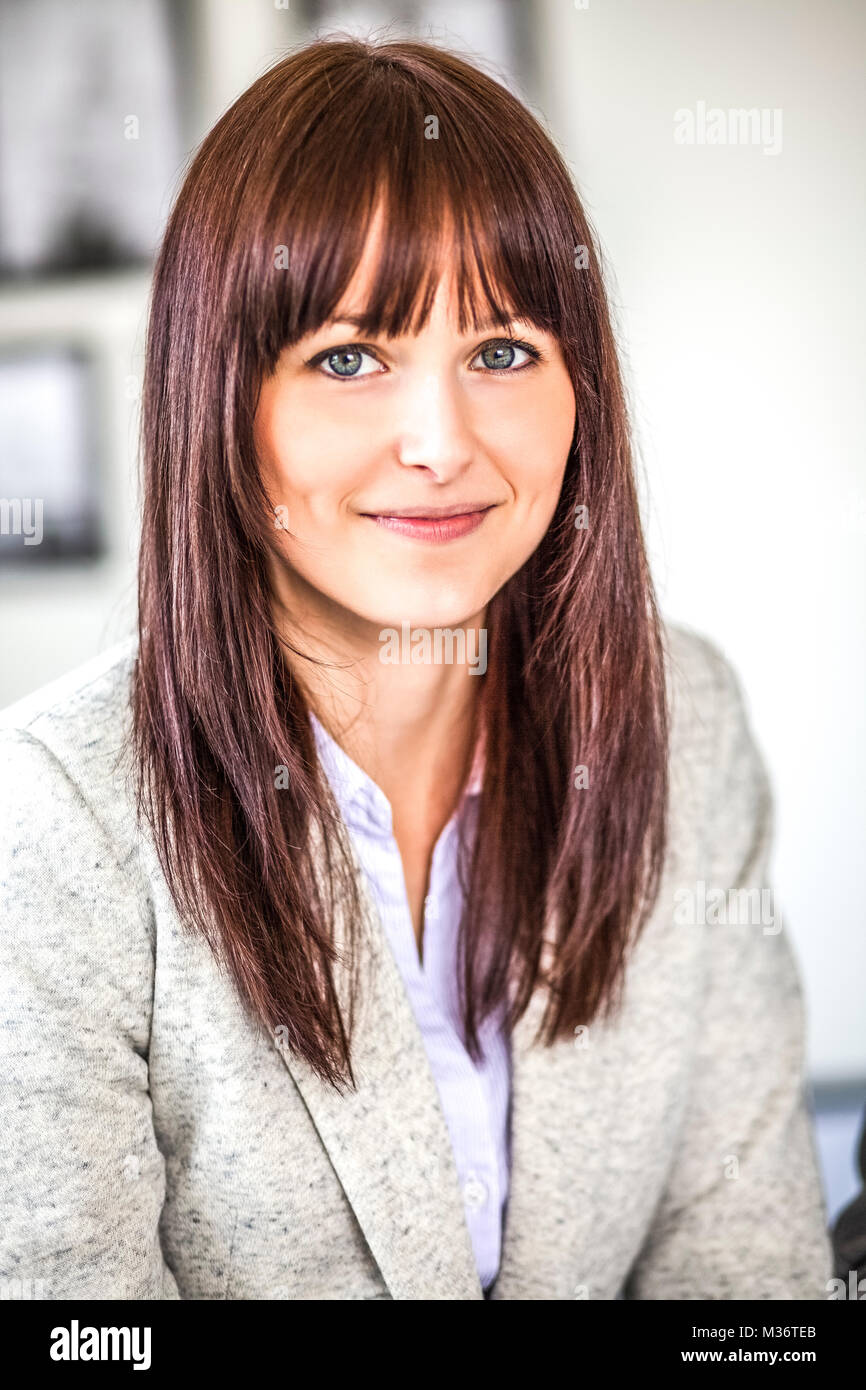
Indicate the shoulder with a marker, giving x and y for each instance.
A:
(719, 782)
(63, 749)
(716, 911)
(70, 706)
(77, 928)
(708, 707)
(703, 685)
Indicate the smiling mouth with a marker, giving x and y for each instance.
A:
(433, 523)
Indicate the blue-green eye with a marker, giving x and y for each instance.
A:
(345, 361)
(501, 356)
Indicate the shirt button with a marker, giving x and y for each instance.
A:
(475, 1192)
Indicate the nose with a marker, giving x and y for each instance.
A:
(433, 432)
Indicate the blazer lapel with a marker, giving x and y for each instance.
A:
(555, 1230)
(578, 1192)
(388, 1140)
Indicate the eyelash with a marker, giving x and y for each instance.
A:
(534, 354)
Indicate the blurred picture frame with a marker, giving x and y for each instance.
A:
(90, 153)
(51, 497)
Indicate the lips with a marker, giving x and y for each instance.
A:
(433, 524)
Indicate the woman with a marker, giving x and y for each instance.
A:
(348, 943)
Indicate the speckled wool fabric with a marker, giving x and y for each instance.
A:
(156, 1145)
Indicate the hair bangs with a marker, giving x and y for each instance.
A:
(401, 212)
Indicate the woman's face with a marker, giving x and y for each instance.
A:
(365, 445)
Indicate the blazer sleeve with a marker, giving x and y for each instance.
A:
(81, 1176)
(742, 1215)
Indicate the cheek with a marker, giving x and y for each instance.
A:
(553, 419)
(532, 437)
(305, 458)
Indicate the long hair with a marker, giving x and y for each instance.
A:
(262, 241)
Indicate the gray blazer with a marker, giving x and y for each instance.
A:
(155, 1146)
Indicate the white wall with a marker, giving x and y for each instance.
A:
(739, 292)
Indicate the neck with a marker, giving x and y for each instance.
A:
(411, 726)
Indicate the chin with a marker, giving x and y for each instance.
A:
(427, 610)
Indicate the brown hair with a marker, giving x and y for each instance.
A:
(575, 656)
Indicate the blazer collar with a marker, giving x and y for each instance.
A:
(389, 1144)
